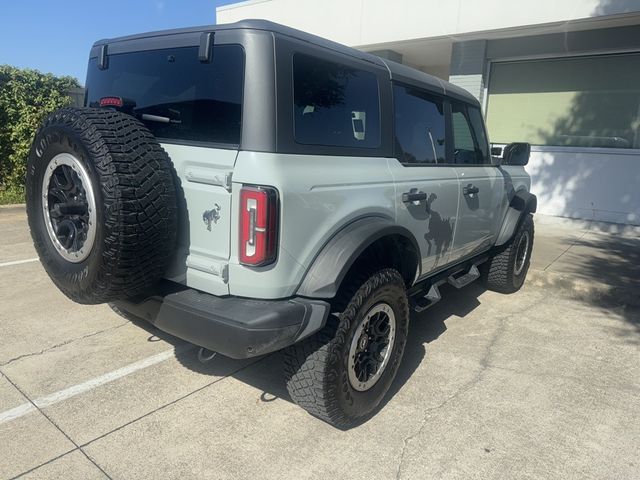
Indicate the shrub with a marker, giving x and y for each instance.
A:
(26, 97)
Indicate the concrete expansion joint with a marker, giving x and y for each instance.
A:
(57, 427)
(484, 365)
(571, 245)
(62, 344)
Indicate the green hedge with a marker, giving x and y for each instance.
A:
(26, 97)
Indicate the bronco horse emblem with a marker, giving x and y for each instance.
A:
(211, 216)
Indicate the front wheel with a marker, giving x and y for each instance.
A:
(342, 373)
(506, 271)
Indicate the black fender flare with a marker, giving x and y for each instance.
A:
(521, 204)
(324, 276)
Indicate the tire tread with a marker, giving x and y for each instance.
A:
(139, 202)
(311, 365)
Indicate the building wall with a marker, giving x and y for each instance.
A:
(468, 66)
(589, 183)
(594, 184)
(370, 22)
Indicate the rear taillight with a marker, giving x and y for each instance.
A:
(258, 225)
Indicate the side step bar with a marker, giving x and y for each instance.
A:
(421, 301)
(431, 298)
(466, 279)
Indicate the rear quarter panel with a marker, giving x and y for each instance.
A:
(319, 195)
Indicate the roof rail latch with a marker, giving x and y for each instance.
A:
(103, 60)
(205, 51)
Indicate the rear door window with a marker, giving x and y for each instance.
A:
(334, 104)
(419, 126)
(174, 94)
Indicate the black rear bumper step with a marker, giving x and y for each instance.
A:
(233, 326)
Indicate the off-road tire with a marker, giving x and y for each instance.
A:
(499, 272)
(316, 368)
(135, 198)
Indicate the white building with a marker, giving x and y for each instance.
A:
(561, 75)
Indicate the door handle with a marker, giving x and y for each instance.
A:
(470, 189)
(408, 197)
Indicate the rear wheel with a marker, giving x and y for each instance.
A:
(506, 271)
(342, 373)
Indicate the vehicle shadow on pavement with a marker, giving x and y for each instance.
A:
(615, 261)
(425, 327)
(266, 373)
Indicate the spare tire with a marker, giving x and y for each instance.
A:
(101, 203)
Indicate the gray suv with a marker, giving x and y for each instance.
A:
(252, 188)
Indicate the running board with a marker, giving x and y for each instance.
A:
(431, 298)
(466, 279)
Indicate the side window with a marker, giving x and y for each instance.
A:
(419, 126)
(334, 104)
(477, 123)
(465, 147)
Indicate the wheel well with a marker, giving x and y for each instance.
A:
(391, 251)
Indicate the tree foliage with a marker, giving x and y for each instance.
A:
(26, 97)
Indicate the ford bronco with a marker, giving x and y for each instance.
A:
(251, 188)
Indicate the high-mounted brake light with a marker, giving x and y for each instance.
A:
(111, 102)
(258, 225)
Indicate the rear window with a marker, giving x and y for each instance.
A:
(334, 104)
(174, 94)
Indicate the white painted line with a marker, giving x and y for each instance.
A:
(61, 395)
(19, 262)
(17, 412)
(74, 390)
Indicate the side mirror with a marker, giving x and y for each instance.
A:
(496, 156)
(516, 154)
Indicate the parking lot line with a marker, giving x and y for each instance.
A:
(90, 384)
(19, 262)
(16, 412)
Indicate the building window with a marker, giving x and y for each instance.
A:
(420, 126)
(334, 104)
(575, 102)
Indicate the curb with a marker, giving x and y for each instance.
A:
(11, 206)
(580, 288)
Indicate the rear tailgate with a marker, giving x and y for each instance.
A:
(194, 108)
(205, 216)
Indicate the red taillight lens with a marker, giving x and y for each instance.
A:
(258, 225)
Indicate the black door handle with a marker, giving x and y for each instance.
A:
(408, 197)
(470, 189)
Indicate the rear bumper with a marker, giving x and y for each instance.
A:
(235, 327)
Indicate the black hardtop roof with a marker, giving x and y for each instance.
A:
(397, 71)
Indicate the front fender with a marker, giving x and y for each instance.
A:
(324, 276)
(521, 204)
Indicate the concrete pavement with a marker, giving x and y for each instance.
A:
(544, 383)
(594, 261)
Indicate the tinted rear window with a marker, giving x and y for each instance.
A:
(334, 104)
(201, 101)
